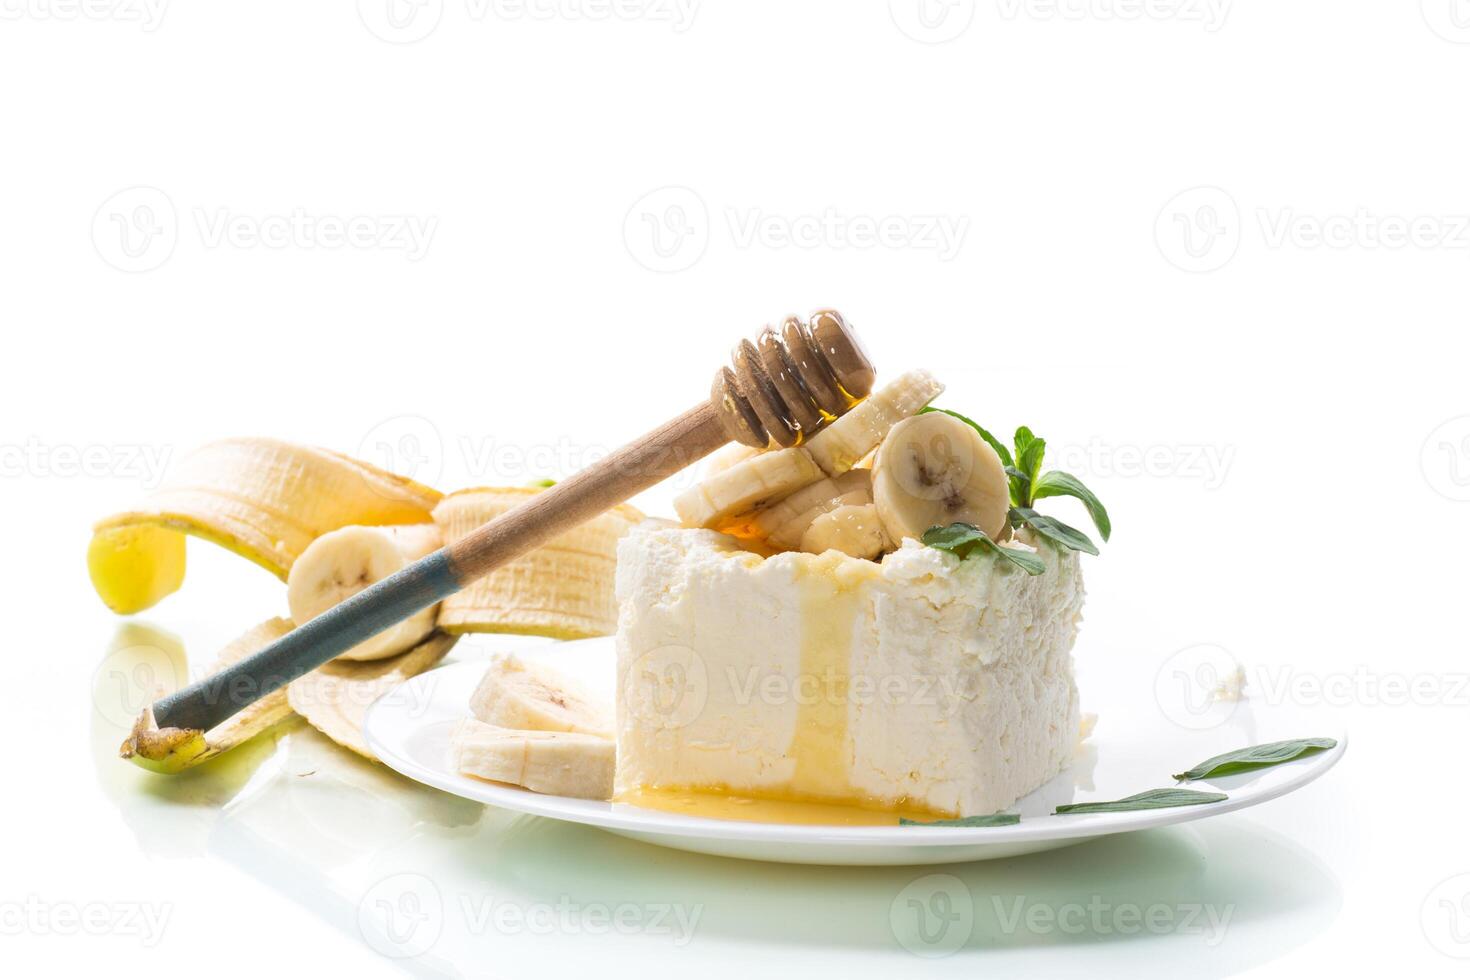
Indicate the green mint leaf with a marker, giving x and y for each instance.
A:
(1024, 438)
(1258, 757)
(1055, 483)
(1028, 562)
(1054, 530)
(963, 540)
(543, 484)
(990, 440)
(991, 820)
(1153, 799)
(1029, 451)
(959, 539)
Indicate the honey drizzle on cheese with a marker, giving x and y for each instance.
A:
(830, 591)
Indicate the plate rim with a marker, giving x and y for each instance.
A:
(603, 814)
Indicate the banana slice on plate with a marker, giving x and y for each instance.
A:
(515, 693)
(840, 446)
(560, 763)
(746, 486)
(341, 563)
(934, 470)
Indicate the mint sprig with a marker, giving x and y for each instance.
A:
(964, 540)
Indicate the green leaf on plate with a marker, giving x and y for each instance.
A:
(992, 441)
(963, 540)
(1055, 483)
(1153, 799)
(1054, 530)
(992, 820)
(1258, 757)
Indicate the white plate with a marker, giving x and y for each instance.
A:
(1135, 747)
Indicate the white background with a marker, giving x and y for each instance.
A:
(1215, 252)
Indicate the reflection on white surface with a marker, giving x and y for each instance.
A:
(443, 887)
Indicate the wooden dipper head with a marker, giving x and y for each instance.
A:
(791, 380)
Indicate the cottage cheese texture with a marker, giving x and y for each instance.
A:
(923, 681)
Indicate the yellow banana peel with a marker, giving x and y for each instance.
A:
(261, 498)
(563, 589)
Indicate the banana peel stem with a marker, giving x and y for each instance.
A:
(164, 750)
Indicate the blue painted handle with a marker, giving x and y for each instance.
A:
(207, 702)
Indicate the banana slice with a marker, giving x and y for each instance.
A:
(782, 524)
(341, 563)
(560, 763)
(261, 498)
(518, 694)
(853, 529)
(840, 446)
(727, 456)
(563, 589)
(748, 485)
(933, 469)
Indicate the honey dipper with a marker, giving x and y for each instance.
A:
(779, 390)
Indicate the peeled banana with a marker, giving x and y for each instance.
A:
(342, 563)
(745, 486)
(560, 763)
(261, 498)
(515, 693)
(935, 470)
(336, 696)
(840, 446)
(564, 589)
(169, 750)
